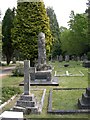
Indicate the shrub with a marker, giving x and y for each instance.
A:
(88, 54)
(19, 70)
(8, 92)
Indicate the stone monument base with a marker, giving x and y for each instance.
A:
(84, 103)
(86, 64)
(27, 104)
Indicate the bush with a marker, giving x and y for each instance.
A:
(88, 54)
(19, 70)
(8, 92)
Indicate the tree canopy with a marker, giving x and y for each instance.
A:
(74, 40)
(54, 26)
(30, 20)
(7, 25)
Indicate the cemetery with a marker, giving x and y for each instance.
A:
(45, 69)
(39, 95)
(62, 99)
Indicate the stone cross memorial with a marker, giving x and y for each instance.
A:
(27, 103)
(26, 77)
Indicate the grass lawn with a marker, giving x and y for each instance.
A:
(61, 99)
(65, 99)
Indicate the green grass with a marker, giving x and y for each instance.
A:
(11, 81)
(65, 99)
(59, 97)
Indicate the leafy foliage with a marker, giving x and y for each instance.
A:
(56, 49)
(74, 39)
(7, 25)
(30, 20)
(8, 92)
(88, 32)
(19, 70)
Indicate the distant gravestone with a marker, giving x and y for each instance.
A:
(85, 58)
(57, 57)
(67, 58)
(60, 58)
(78, 58)
(14, 60)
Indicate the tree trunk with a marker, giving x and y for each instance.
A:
(8, 59)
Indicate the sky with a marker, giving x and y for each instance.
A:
(62, 8)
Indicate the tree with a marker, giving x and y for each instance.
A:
(74, 40)
(56, 50)
(88, 31)
(7, 25)
(30, 20)
(0, 42)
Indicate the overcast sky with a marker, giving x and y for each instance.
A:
(62, 8)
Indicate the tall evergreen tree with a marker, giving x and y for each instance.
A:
(30, 20)
(88, 33)
(54, 26)
(7, 25)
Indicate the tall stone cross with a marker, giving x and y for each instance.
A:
(26, 77)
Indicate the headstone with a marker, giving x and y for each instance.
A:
(81, 58)
(57, 57)
(60, 58)
(27, 102)
(84, 102)
(14, 60)
(10, 115)
(72, 57)
(41, 49)
(67, 58)
(78, 58)
(85, 58)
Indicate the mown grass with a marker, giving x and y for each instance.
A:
(65, 99)
(70, 97)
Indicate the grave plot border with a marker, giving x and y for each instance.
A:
(51, 111)
(69, 75)
(42, 98)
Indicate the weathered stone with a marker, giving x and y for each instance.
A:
(41, 49)
(26, 77)
(27, 102)
(60, 58)
(84, 102)
(67, 58)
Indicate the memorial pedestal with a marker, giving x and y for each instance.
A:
(27, 104)
(84, 102)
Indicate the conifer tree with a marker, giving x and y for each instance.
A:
(30, 20)
(7, 25)
(54, 26)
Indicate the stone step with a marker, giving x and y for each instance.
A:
(22, 103)
(32, 109)
(19, 109)
(82, 105)
(88, 91)
(27, 97)
(86, 98)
